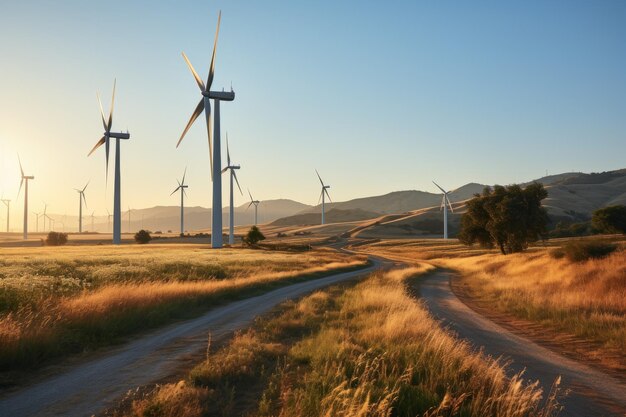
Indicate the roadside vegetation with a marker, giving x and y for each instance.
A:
(573, 287)
(369, 350)
(57, 301)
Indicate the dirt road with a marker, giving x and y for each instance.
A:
(593, 393)
(95, 385)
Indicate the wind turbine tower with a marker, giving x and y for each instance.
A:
(445, 204)
(233, 175)
(7, 203)
(323, 197)
(215, 155)
(182, 186)
(256, 206)
(24, 181)
(104, 140)
(81, 198)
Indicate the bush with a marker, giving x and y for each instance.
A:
(56, 239)
(254, 236)
(611, 219)
(579, 251)
(143, 236)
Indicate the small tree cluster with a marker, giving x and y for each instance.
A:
(143, 236)
(611, 219)
(56, 239)
(505, 217)
(253, 236)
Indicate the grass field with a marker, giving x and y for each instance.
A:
(370, 350)
(59, 300)
(586, 299)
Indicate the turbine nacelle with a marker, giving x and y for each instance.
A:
(220, 95)
(118, 135)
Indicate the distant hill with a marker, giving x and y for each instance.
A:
(333, 215)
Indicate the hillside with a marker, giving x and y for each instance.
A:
(332, 216)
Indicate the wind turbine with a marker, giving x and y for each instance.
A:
(445, 203)
(108, 220)
(7, 203)
(128, 219)
(323, 197)
(215, 155)
(37, 215)
(45, 216)
(25, 179)
(233, 175)
(104, 140)
(81, 198)
(92, 217)
(183, 193)
(256, 206)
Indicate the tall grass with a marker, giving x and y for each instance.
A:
(370, 351)
(587, 298)
(45, 316)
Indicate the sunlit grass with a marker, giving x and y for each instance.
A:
(54, 301)
(369, 351)
(587, 298)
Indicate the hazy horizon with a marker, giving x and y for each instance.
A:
(377, 98)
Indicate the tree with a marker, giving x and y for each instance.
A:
(142, 236)
(253, 236)
(506, 217)
(611, 219)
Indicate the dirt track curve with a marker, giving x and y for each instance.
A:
(593, 393)
(93, 386)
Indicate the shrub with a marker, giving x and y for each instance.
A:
(611, 219)
(579, 251)
(143, 236)
(56, 239)
(253, 236)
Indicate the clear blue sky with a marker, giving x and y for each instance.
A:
(378, 96)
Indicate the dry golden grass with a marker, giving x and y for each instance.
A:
(57, 299)
(587, 298)
(369, 351)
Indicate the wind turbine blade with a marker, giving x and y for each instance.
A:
(85, 187)
(112, 105)
(225, 169)
(237, 181)
(104, 122)
(97, 145)
(250, 194)
(20, 190)
(194, 116)
(20, 161)
(328, 195)
(106, 147)
(251, 203)
(212, 67)
(321, 194)
(184, 173)
(227, 151)
(195, 74)
(207, 113)
(177, 188)
(185, 192)
(84, 199)
(318, 176)
(449, 204)
(442, 190)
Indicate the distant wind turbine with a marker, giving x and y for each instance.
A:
(37, 215)
(7, 203)
(81, 198)
(25, 179)
(215, 154)
(92, 218)
(233, 175)
(323, 197)
(182, 186)
(445, 203)
(104, 140)
(44, 215)
(128, 219)
(108, 220)
(256, 206)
